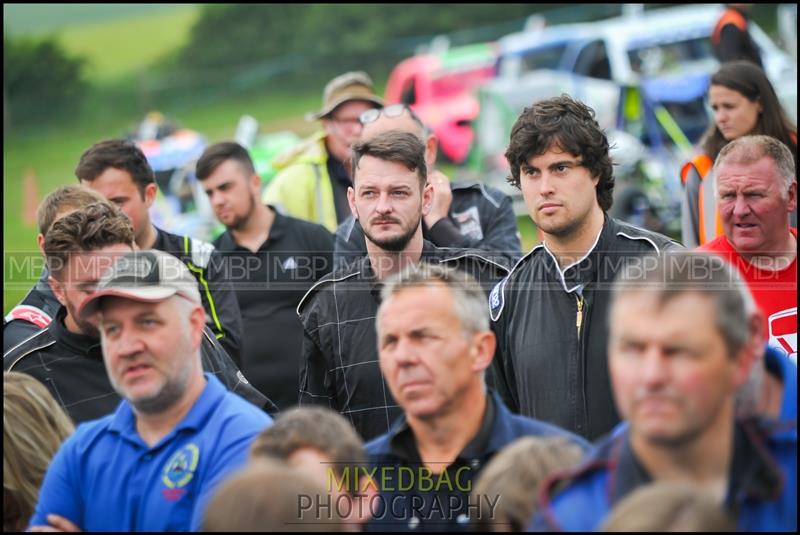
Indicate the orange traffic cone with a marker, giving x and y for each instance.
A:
(30, 198)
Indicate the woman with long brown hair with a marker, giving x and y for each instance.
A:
(743, 102)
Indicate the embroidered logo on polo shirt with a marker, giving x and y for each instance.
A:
(178, 471)
(289, 263)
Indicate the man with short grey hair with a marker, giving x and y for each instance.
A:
(756, 192)
(434, 345)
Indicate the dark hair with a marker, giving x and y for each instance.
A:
(312, 427)
(569, 125)
(219, 153)
(98, 225)
(65, 198)
(119, 154)
(394, 146)
(749, 80)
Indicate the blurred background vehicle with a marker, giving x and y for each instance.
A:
(172, 151)
(645, 74)
(439, 86)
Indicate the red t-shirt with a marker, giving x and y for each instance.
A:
(775, 292)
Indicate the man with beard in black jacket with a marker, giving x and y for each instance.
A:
(66, 356)
(550, 313)
(38, 308)
(340, 354)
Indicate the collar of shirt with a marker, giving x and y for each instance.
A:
(403, 444)
(124, 419)
(276, 232)
(752, 473)
(79, 344)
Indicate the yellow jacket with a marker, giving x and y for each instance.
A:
(302, 187)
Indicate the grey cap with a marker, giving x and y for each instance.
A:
(149, 276)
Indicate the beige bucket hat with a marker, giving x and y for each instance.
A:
(354, 85)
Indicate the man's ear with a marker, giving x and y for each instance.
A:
(255, 184)
(58, 290)
(150, 191)
(40, 241)
(792, 193)
(351, 200)
(197, 320)
(482, 352)
(427, 199)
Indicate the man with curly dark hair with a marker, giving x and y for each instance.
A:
(550, 312)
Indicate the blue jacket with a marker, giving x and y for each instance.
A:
(411, 501)
(762, 493)
(779, 365)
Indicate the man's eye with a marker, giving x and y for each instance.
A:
(110, 330)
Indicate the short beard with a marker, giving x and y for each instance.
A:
(170, 393)
(395, 244)
(86, 328)
(240, 222)
(564, 231)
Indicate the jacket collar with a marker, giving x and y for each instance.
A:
(584, 271)
(495, 433)
(79, 344)
(753, 473)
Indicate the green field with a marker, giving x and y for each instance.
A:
(120, 41)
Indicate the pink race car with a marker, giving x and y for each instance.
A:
(439, 87)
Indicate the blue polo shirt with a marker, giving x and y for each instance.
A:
(106, 478)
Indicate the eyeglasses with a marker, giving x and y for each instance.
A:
(371, 115)
(395, 110)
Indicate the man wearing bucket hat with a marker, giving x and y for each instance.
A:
(176, 434)
(312, 181)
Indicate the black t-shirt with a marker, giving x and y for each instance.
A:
(340, 181)
(269, 284)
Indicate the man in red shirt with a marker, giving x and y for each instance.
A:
(756, 191)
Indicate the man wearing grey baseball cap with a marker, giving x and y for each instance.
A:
(177, 433)
(313, 180)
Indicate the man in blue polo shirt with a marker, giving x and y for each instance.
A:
(434, 346)
(153, 464)
(681, 345)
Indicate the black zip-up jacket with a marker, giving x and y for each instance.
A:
(552, 331)
(340, 348)
(481, 217)
(213, 280)
(35, 312)
(71, 366)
